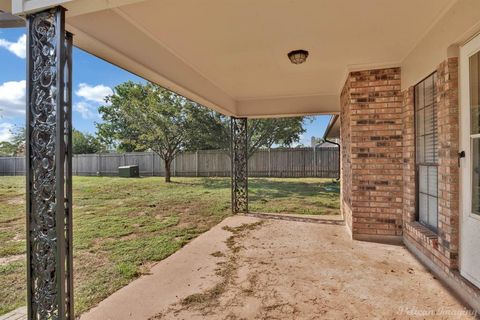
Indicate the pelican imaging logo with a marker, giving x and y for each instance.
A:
(437, 312)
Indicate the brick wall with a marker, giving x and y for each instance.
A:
(441, 248)
(346, 163)
(372, 146)
(378, 168)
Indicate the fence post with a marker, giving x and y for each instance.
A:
(314, 161)
(269, 162)
(175, 166)
(98, 164)
(14, 166)
(196, 163)
(153, 164)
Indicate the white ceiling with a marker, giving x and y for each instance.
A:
(242, 46)
(232, 54)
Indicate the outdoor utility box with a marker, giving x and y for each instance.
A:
(129, 171)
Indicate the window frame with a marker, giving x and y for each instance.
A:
(417, 164)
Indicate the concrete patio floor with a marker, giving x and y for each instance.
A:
(251, 268)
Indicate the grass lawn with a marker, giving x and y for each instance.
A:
(123, 226)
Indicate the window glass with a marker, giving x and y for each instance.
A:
(427, 151)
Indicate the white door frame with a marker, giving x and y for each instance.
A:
(465, 215)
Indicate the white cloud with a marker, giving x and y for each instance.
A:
(6, 131)
(18, 48)
(85, 110)
(91, 97)
(93, 93)
(12, 98)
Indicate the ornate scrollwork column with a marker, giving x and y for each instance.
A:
(48, 163)
(239, 150)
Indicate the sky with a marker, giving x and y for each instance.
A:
(93, 79)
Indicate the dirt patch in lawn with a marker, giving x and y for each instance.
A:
(8, 259)
(15, 201)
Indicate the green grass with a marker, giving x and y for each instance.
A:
(294, 195)
(123, 226)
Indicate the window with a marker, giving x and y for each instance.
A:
(427, 151)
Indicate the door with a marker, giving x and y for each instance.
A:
(470, 169)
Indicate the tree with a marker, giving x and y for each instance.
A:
(212, 131)
(146, 116)
(7, 149)
(84, 143)
(16, 145)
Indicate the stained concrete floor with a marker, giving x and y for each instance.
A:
(251, 268)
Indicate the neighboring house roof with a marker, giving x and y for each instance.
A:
(333, 128)
(326, 144)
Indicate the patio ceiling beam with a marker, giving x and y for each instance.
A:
(48, 167)
(288, 106)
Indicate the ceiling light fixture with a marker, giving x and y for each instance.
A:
(298, 56)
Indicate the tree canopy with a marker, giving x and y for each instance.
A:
(143, 117)
(84, 143)
(8, 149)
(139, 117)
(212, 131)
(16, 145)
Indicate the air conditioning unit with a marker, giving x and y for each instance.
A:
(129, 171)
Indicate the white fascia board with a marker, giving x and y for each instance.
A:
(23, 7)
(74, 7)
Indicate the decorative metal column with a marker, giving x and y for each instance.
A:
(239, 150)
(49, 167)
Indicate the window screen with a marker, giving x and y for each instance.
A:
(427, 151)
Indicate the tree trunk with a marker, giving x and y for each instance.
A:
(168, 174)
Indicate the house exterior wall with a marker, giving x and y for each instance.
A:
(372, 152)
(378, 150)
(345, 156)
(438, 250)
(442, 248)
(458, 23)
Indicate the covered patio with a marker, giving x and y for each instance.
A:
(402, 79)
(253, 268)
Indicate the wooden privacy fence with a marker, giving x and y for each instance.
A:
(281, 162)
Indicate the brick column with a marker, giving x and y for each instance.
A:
(372, 154)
